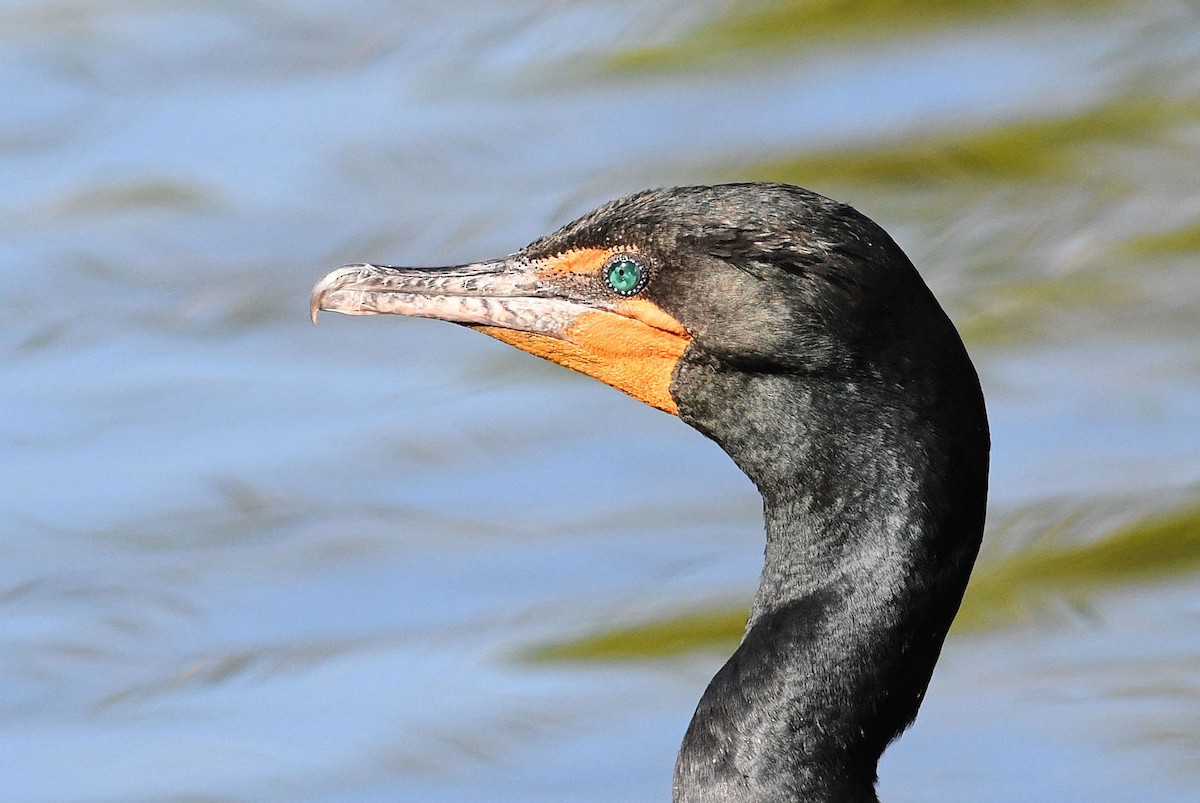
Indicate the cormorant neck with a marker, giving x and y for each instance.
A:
(874, 511)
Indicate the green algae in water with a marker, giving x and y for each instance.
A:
(751, 28)
(1149, 549)
(1176, 242)
(710, 629)
(1016, 312)
(1039, 150)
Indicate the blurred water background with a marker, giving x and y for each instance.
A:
(245, 559)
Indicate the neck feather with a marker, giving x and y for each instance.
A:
(874, 513)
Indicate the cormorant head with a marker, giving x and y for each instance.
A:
(757, 278)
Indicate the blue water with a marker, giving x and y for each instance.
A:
(247, 559)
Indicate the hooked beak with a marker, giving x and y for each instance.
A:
(630, 344)
(502, 292)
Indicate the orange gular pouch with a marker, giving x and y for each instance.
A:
(628, 353)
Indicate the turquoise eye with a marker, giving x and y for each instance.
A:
(624, 275)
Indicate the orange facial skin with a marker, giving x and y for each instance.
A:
(586, 261)
(633, 346)
(626, 353)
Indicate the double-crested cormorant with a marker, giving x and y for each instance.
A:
(796, 334)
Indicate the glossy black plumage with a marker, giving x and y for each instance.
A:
(826, 369)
